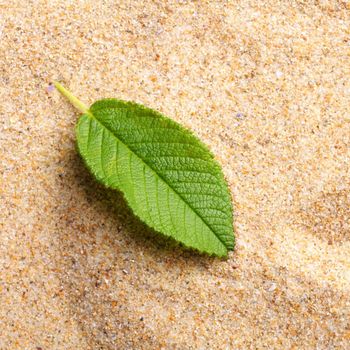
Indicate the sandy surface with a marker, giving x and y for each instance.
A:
(266, 87)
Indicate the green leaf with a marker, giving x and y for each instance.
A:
(168, 177)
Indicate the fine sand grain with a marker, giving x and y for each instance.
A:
(265, 84)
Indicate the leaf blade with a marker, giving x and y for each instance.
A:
(171, 182)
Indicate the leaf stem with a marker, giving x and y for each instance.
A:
(72, 99)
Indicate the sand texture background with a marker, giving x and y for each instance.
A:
(266, 86)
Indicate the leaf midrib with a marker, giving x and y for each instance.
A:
(91, 115)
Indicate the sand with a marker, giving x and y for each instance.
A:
(266, 86)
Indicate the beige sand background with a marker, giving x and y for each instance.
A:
(266, 86)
